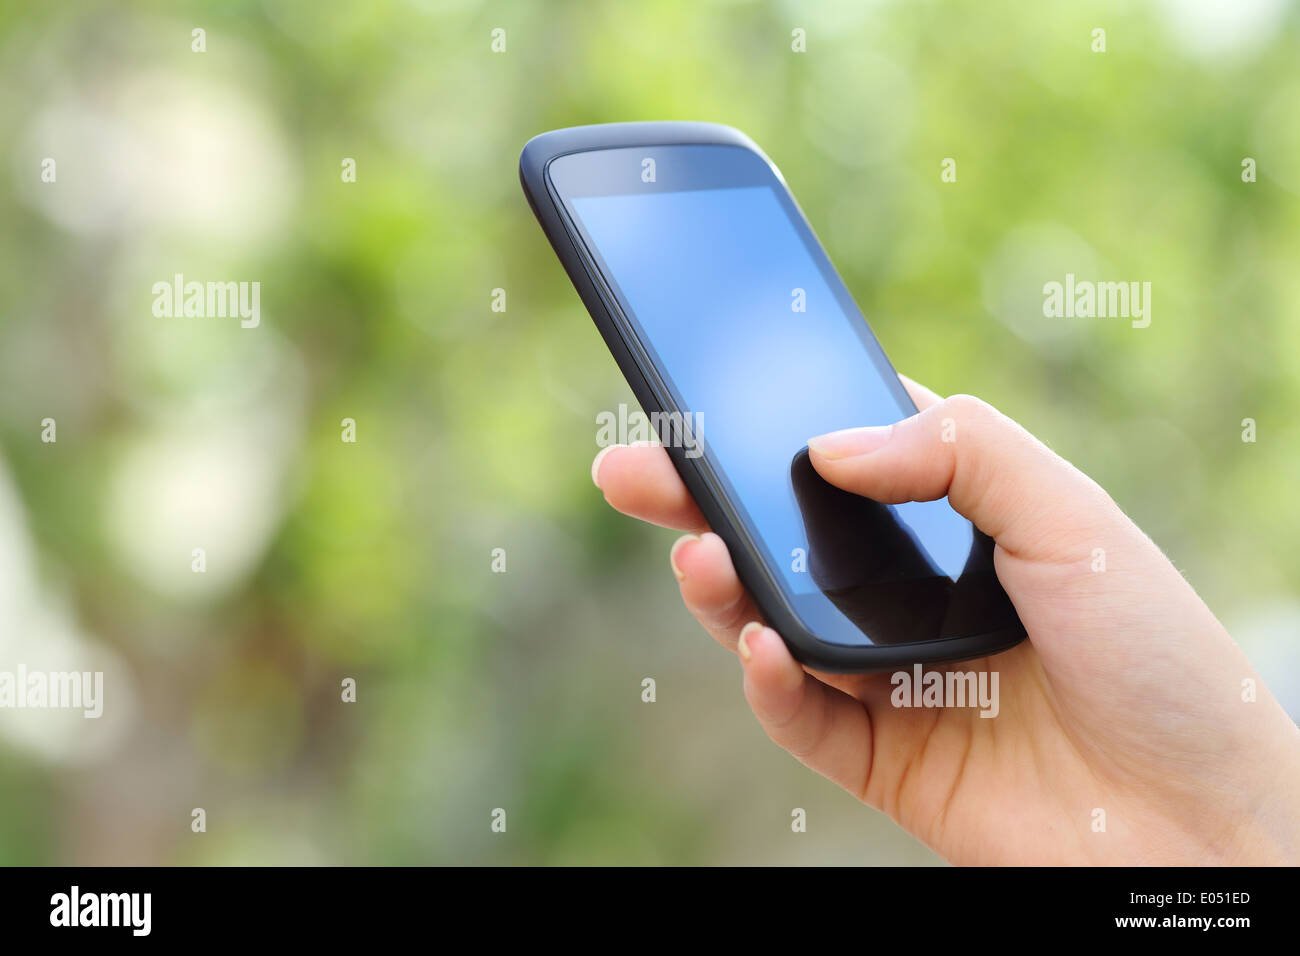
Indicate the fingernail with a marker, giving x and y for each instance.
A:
(742, 646)
(851, 442)
(595, 464)
(672, 555)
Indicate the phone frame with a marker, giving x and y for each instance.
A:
(654, 395)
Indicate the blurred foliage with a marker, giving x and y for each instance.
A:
(475, 429)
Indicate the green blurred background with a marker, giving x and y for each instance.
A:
(475, 429)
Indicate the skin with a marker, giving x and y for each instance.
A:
(1127, 697)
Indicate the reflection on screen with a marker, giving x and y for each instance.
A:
(715, 278)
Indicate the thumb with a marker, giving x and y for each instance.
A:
(1034, 503)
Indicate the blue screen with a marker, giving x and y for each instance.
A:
(711, 278)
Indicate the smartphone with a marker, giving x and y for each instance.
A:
(740, 341)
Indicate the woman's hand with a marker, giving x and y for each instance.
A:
(1127, 699)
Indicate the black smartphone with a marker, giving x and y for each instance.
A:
(740, 341)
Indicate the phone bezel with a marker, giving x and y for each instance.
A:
(782, 608)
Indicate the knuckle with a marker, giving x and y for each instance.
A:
(727, 615)
(968, 408)
(815, 733)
